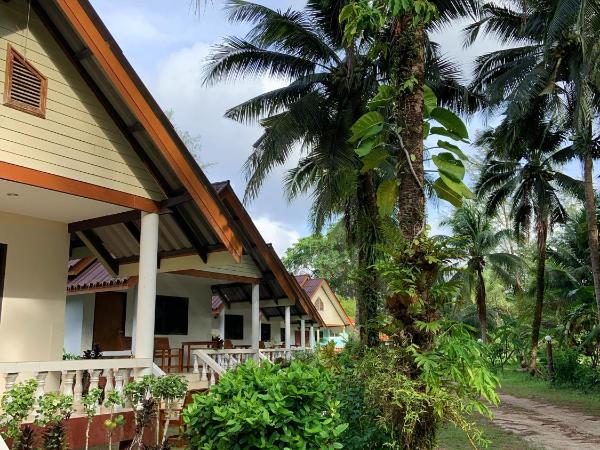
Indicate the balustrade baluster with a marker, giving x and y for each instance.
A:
(108, 373)
(195, 361)
(40, 377)
(67, 382)
(94, 378)
(118, 380)
(9, 381)
(78, 389)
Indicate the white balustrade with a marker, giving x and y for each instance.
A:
(116, 371)
(209, 363)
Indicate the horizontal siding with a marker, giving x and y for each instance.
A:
(218, 262)
(77, 139)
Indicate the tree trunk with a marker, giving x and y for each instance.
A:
(542, 236)
(481, 305)
(592, 224)
(368, 238)
(408, 64)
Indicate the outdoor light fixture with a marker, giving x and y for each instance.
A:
(548, 338)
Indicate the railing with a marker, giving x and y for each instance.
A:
(67, 377)
(210, 364)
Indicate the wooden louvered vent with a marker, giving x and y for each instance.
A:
(25, 87)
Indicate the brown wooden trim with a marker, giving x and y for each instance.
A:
(131, 93)
(44, 180)
(95, 245)
(104, 221)
(3, 252)
(81, 265)
(11, 55)
(217, 276)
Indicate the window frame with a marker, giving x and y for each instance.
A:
(11, 55)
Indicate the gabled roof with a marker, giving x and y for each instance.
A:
(94, 52)
(265, 257)
(94, 278)
(312, 286)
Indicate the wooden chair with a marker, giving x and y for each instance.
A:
(227, 344)
(166, 354)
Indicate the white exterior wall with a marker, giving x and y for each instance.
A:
(33, 308)
(79, 323)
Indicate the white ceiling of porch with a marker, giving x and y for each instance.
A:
(17, 198)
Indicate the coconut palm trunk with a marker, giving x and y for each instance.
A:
(542, 237)
(368, 297)
(481, 305)
(408, 79)
(590, 210)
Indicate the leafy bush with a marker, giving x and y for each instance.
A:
(454, 381)
(16, 404)
(269, 407)
(570, 370)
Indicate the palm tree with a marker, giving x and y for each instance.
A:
(478, 240)
(330, 82)
(520, 169)
(553, 53)
(329, 85)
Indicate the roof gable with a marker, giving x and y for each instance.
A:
(80, 31)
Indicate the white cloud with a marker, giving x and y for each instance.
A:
(277, 233)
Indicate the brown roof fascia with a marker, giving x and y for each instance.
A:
(283, 277)
(94, 34)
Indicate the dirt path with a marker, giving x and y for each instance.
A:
(551, 427)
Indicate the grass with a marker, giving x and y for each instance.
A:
(451, 438)
(520, 384)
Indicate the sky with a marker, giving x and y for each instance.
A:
(167, 43)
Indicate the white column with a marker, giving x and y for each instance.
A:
(288, 340)
(222, 323)
(255, 316)
(311, 337)
(146, 293)
(318, 336)
(302, 333)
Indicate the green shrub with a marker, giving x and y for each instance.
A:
(571, 370)
(269, 407)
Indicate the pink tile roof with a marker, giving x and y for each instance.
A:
(94, 277)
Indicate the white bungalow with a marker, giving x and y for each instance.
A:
(90, 167)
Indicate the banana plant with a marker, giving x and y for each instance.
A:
(378, 142)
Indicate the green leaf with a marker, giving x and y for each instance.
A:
(387, 192)
(369, 124)
(445, 193)
(365, 147)
(453, 148)
(448, 165)
(441, 131)
(459, 187)
(426, 127)
(450, 121)
(385, 95)
(430, 100)
(373, 159)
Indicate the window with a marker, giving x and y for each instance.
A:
(234, 327)
(171, 315)
(3, 249)
(25, 87)
(265, 332)
(319, 304)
